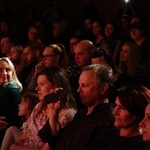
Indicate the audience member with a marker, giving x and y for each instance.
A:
(145, 126)
(32, 55)
(25, 108)
(112, 40)
(125, 28)
(129, 111)
(131, 63)
(6, 43)
(82, 52)
(48, 80)
(88, 34)
(97, 29)
(10, 96)
(16, 56)
(53, 55)
(102, 56)
(96, 120)
(74, 40)
(137, 34)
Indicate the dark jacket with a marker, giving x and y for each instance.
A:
(85, 131)
(10, 97)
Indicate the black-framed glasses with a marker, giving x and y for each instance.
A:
(46, 56)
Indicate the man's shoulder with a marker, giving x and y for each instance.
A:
(73, 69)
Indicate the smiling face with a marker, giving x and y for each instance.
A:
(5, 72)
(44, 86)
(145, 124)
(123, 118)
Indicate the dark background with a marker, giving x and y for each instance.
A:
(73, 8)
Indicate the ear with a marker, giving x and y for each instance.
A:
(37, 53)
(104, 89)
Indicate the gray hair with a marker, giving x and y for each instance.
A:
(104, 74)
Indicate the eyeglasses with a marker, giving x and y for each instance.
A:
(46, 56)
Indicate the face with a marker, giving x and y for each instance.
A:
(96, 28)
(89, 93)
(82, 57)
(109, 30)
(5, 45)
(15, 55)
(98, 60)
(145, 124)
(55, 32)
(44, 86)
(32, 34)
(123, 118)
(124, 53)
(23, 108)
(28, 55)
(4, 26)
(49, 58)
(5, 72)
(136, 34)
(88, 24)
(73, 43)
(124, 24)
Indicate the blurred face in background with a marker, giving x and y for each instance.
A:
(97, 30)
(109, 29)
(124, 53)
(49, 58)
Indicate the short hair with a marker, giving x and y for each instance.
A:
(134, 99)
(14, 76)
(104, 75)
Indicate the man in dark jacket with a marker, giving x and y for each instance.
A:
(91, 126)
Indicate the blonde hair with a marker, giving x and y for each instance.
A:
(134, 59)
(14, 76)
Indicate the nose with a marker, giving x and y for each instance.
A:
(115, 111)
(141, 124)
(37, 88)
(79, 89)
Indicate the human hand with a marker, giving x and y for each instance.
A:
(53, 108)
(39, 66)
(3, 124)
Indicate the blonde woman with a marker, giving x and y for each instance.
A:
(130, 62)
(10, 96)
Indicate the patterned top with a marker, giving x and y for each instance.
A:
(35, 123)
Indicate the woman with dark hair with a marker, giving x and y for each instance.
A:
(129, 109)
(49, 79)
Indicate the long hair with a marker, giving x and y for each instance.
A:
(57, 77)
(14, 76)
(134, 59)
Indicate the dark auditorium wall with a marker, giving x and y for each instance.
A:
(108, 9)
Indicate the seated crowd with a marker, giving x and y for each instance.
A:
(75, 90)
